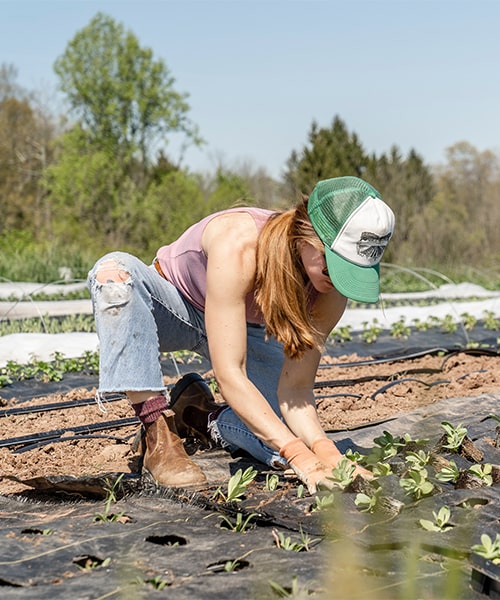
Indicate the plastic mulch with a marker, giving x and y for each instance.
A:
(53, 546)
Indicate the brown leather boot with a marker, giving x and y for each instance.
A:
(165, 457)
(192, 403)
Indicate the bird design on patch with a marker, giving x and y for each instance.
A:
(372, 246)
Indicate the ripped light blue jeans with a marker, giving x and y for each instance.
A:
(144, 315)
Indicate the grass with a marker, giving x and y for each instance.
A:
(23, 260)
(398, 278)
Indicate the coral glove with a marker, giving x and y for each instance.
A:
(306, 465)
(328, 454)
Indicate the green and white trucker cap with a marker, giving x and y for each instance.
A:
(355, 225)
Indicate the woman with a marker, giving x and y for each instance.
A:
(257, 292)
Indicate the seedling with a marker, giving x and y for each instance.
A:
(490, 322)
(416, 483)
(287, 543)
(240, 524)
(343, 474)
(440, 522)
(488, 548)
(5, 380)
(469, 321)
(355, 456)
(387, 440)
(110, 499)
(454, 435)
(300, 491)
(371, 332)
(342, 333)
(417, 459)
(449, 473)
(322, 501)
(89, 564)
(434, 321)
(448, 325)
(156, 582)
(236, 486)
(407, 439)
(368, 503)
(378, 455)
(381, 469)
(421, 325)
(231, 565)
(272, 482)
(388, 446)
(400, 330)
(213, 385)
(483, 472)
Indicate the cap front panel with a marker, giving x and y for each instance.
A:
(366, 233)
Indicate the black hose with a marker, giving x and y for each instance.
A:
(57, 433)
(393, 383)
(74, 438)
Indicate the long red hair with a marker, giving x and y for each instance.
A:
(282, 293)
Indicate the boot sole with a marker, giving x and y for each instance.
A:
(198, 484)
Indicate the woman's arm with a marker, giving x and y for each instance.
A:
(229, 242)
(295, 390)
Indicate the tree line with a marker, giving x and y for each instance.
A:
(99, 178)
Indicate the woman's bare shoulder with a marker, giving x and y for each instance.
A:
(235, 228)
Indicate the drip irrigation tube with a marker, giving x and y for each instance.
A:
(346, 382)
(347, 395)
(401, 357)
(470, 351)
(25, 410)
(384, 388)
(75, 438)
(57, 433)
(384, 359)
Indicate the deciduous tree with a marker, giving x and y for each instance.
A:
(122, 97)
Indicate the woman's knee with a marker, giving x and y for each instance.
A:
(111, 278)
(115, 267)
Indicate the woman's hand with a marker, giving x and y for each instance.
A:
(306, 465)
(329, 455)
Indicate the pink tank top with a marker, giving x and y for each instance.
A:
(184, 262)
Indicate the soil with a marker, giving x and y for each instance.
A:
(351, 391)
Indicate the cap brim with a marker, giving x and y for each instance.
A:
(354, 282)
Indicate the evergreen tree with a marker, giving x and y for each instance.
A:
(330, 152)
(407, 186)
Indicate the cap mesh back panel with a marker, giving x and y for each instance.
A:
(329, 217)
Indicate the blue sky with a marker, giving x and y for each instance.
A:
(420, 74)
